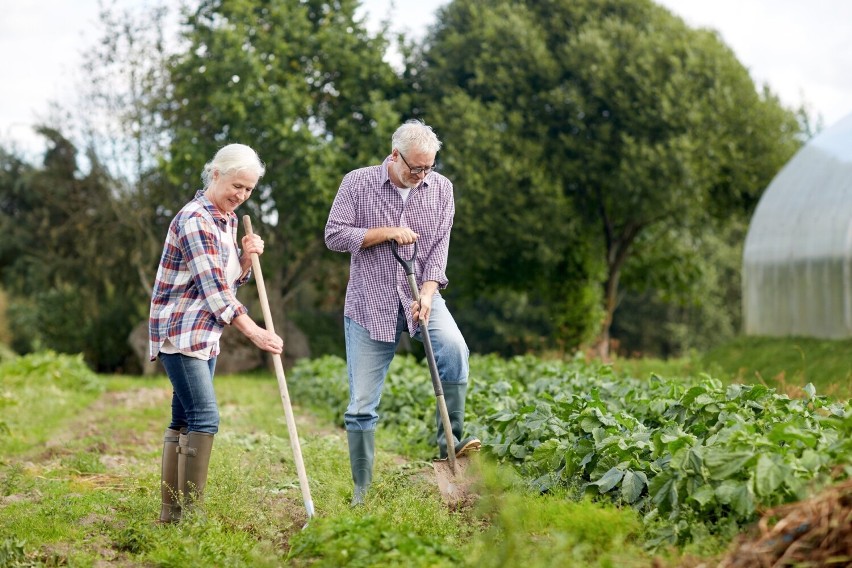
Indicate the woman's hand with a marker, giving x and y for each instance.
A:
(268, 341)
(252, 244)
(262, 338)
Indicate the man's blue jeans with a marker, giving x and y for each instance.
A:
(193, 400)
(368, 360)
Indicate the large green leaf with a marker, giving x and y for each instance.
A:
(609, 480)
(770, 474)
(722, 464)
(738, 495)
(632, 485)
(663, 491)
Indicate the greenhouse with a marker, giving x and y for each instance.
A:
(797, 262)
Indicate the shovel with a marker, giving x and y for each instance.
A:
(282, 382)
(450, 472)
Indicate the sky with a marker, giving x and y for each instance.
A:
(801, 49)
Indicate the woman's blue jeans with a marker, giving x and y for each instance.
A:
(368, 360)
(194, 403)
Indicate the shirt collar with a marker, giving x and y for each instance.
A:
(221, 219)
(386, 178)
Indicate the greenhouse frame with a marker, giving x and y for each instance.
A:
(797, 260)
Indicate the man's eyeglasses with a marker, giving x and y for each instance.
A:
(418, 170)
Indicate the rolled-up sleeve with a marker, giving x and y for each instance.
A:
(435, 262)
(341, 232)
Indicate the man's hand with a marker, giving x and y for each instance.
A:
(402, 235)
(380, 235)
(423, 309)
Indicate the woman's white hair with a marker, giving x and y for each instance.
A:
(231, 159)
(417, 136)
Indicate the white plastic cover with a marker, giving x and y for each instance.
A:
(797, 261)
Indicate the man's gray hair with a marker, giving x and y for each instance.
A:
(231, 159)
(415, 135)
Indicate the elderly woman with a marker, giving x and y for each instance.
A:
(194, 298)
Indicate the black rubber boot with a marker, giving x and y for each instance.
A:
(362, 447)
(193, 461)
(454, 395)
(170, 511)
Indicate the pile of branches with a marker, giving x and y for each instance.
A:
(815, 532)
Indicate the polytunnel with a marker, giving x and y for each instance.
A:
(797, 261)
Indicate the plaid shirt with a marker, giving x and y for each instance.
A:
(192, 302)
(377, 281)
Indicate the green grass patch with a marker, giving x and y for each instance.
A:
(522, 524)
(80, 487)
(786, 362)
(674, 368)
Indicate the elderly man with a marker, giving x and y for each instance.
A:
(402, 200)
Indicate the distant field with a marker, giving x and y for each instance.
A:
(785, 363)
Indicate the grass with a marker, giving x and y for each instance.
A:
(792, 361)
(784, 363)
(79, 474)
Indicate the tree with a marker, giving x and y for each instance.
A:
(84, 241)
(305, 85)
(63, 257)
(640, 124)
(125, 83)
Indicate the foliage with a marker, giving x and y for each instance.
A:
(64, 256)
(522, 270)
(693, 305)
(12, 553)
(370, 541)
(784, 362)
(614, 113)
(66, 372)
(594, 147)
(80, 494)
(43, 384)
(304, 84)
(575, 533)
(694, 457)
(5, 333)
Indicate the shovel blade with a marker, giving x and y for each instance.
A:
(456, 487)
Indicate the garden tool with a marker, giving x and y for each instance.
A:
(449, 472)
(282, 382)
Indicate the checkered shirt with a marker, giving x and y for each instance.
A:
(192, 301)
(377, 281)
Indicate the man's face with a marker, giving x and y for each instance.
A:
(413, 159)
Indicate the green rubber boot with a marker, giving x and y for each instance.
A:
(193, 461)
(170, 510)
(454, 395)
(362, 447)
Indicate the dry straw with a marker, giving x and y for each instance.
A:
(815, 532)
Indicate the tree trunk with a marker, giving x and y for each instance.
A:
(602, 345)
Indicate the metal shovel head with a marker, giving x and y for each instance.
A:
(456, 487)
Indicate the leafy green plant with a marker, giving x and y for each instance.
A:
(13, 555)
(67, 372)
(692, 456)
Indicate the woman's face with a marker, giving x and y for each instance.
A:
(229, 191)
